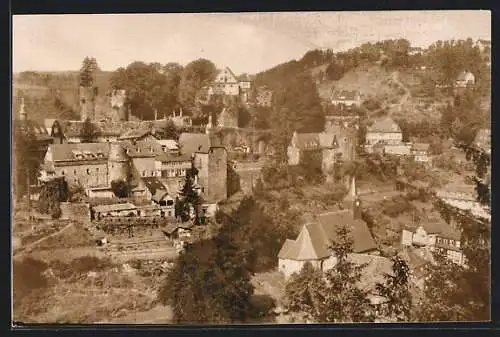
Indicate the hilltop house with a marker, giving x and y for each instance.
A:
(465, 79)
(434, 236)
(313, 242)
(346, 98)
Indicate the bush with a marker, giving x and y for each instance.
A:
(85, 264)
(396, 206)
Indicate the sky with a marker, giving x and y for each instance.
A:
(245, 42)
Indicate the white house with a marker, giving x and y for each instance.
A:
(346, 98)
(420, 152)
(385, 131)
(313, 242)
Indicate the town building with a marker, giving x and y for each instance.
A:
(434, 236)
(314, 241)
(465, 79)
(385, 130)
(210, 160)
(346, 98)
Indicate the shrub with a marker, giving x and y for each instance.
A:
(85, 264)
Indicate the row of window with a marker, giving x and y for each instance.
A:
(75, 171)
(450, 242)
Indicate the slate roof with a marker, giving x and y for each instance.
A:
(167, 157)
(315, 238)
(173, 226)
(384, 125)
(134, 134)
(230, 73)
(169, 143)
(160, 195)
(142, 148)
(66, 152)
(437, 227)
(37, 130)
(329, 139)
(73, 128)
(345, 95)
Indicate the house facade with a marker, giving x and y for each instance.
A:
(384, 130)
(421, 153)
(346, 98)
(435, 237)
(313, 242)
(465, 79)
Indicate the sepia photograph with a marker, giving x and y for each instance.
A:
(265, 168)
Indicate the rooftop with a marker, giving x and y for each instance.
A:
(384, 125)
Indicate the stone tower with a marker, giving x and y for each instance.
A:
(87, 102)
(217, 173)
(118, 163)
(118, 106)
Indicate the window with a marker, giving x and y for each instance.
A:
(143, 173)
(74, 172)
(88, 171)
(97, 169)
(63, 173)
(112, 165)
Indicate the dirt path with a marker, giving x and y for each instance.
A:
(27, 248)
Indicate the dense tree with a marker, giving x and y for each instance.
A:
(26, 161)
(87, 71)
(51, 194)
(188, 199)
(170, 131)
(88, 132)
(196, 74)
(209, 283)
(120, 188)
(396, 291)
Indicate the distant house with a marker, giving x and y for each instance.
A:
(346, 98)
(420, 153)
(465, 79)
(483, 140)
(385, 130)
(179, 233)
(169, 146)
(397, 149)
(227, 82)
(313, 242)
(138, 135)
(435, 236)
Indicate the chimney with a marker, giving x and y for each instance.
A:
(22, 113)
(180, 113)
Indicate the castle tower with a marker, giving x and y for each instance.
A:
(217, 173)
(87, 102)
(118, 163)
(22, 113)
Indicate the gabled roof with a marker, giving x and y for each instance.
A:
(173, 226)
(384, 125)
(315, 238)
(437, 227)
(228, 71)
(465, 76)
(160, 195)
(142, 148)
(345, 95)
(169, 144)
(134, 134)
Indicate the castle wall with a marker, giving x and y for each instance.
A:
(89, 174)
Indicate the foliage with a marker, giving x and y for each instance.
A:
(88, 132)
(152, 89)
(188, 199)
(26, 161)
(396, 290)
(51, 194)
(27, 277)
(196, 74)
(170, 131)
(396, 206)
(209, 284)
(120, 188)
(336, 297)
(87, 71)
